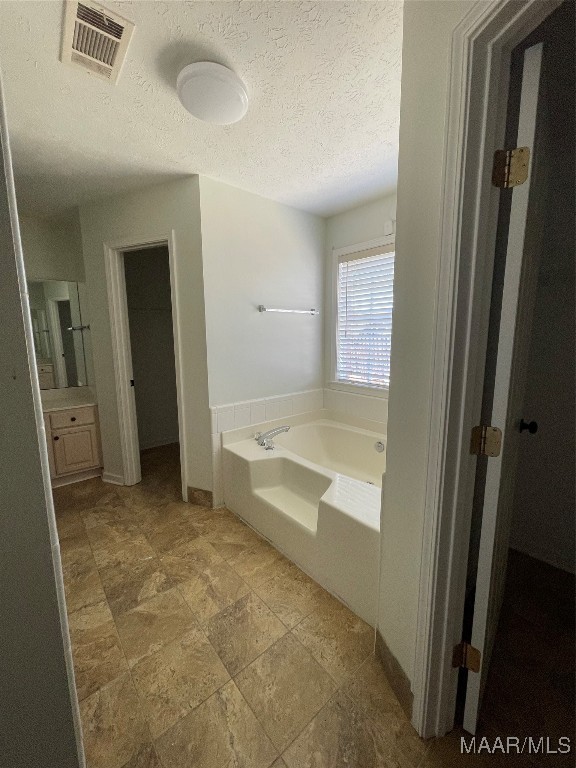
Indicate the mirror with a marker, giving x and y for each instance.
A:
(58, 333)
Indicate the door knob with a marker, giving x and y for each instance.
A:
(531, 426)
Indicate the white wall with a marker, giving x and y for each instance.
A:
(151, 212)
(152, 344)
(257, 251)
(360, 224)
(36, 296)
(52, 248)
(428, 28)
(544, 501)
(37, 701)
(371, 221)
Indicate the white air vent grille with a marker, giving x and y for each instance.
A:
(95, 39)
(92, 43)
(93, 66)
(99, 21)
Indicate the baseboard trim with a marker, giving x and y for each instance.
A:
(397, 678)
(108, 477)
(76, 477)
(200, 497)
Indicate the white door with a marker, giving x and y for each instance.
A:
(509, 376)
(122, 354)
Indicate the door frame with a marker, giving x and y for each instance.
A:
(122, 354)
(482, 45)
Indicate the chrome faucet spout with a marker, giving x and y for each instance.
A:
(265, 438)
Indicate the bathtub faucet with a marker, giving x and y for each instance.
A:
(265, 438)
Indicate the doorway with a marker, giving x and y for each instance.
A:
(484, 47)
(150, 321)
(530, 683)
(154, 309)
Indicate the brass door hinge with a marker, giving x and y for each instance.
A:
(466, 656)
(510, 167)
(485, 441)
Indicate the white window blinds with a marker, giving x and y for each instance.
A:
(365, 298)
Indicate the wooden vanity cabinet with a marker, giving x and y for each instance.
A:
(73, 441)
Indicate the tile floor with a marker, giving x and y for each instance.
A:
(197, 645)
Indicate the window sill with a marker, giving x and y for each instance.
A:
(358, 389)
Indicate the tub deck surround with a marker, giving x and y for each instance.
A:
(318, 414)
(332, 444)
(360, 406)
(247, 414)
(325, 521)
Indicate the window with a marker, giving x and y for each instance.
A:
(364, 325)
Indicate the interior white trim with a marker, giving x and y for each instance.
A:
(358, 389)
(121, 351)
(58, 482)
(387, 239)
(116, 284)
(178, 357)
(109, 477)
(480, 63)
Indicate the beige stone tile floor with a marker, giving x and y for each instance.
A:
(197, 645)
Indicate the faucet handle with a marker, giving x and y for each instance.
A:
(257, 436)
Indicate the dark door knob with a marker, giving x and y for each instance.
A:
(56, 438)
(531, 426)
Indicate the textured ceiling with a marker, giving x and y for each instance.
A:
(321, 132)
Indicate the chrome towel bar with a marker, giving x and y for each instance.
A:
(262, 308)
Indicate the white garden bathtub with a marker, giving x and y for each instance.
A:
(316, 497)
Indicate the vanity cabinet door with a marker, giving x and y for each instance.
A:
(75, 449)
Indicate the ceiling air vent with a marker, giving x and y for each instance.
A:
(95, 39)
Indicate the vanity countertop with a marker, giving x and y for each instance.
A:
(70, 397)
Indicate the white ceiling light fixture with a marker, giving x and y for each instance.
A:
(212, 92)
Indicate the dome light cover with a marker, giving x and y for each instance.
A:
(212, 92)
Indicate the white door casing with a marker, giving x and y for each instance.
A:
(499, 487)
(119, 324)
(482, 45)
(126, 402)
